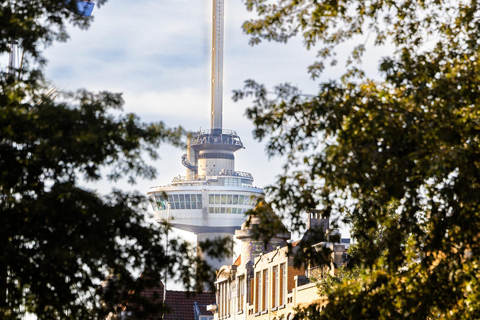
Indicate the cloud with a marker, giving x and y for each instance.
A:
(157, 52)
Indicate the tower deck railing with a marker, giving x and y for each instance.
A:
(216, 132)
(216, 136)
(223, 173)
(242, 174)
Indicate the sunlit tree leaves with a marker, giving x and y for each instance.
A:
(396, 157)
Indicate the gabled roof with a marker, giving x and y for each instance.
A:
(238, 261)
(294, 244)
(181, 303)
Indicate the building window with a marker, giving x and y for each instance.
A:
(265, 290)
(240, 293)
(282, 284)
(181, 199)
(161, 203)
(225, 298)
(176, 203)
(171, 199)
(237, 182)
(258, 291)
(179, 202)
(250, 290)
(219, 298)
(225, 201)
(228, 210)
(274, 286)
(229, 300)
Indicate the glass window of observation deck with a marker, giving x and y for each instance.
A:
(237, 182)
(229, 199)
(199, 201)
(227, 210)
(182, 201)
(179, 202)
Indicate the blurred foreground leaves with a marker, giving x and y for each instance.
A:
(66, 251)
(397, 157)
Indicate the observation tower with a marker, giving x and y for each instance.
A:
(211, 200)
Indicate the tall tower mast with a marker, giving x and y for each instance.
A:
(211, 200)
(217, 64)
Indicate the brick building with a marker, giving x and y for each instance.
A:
(264, 284)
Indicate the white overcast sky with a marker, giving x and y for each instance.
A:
(157, 53)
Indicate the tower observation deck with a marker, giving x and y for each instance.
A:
(212, 198)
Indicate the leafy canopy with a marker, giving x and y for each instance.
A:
(67, 252)
(397, 157)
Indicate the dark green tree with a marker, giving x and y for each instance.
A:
(67, 252)
(397, 158)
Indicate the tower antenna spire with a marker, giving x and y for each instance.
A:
(217, 64)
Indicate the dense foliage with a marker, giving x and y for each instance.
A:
(67, 252)
(396, 157)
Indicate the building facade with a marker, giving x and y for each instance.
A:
(266, 285)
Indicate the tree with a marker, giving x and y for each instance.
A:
(396, 158)
(67, 252)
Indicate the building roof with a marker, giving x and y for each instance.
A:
(181, 303)
(294, 244)
(238, 261)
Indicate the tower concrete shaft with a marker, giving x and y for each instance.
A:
(217, 64)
